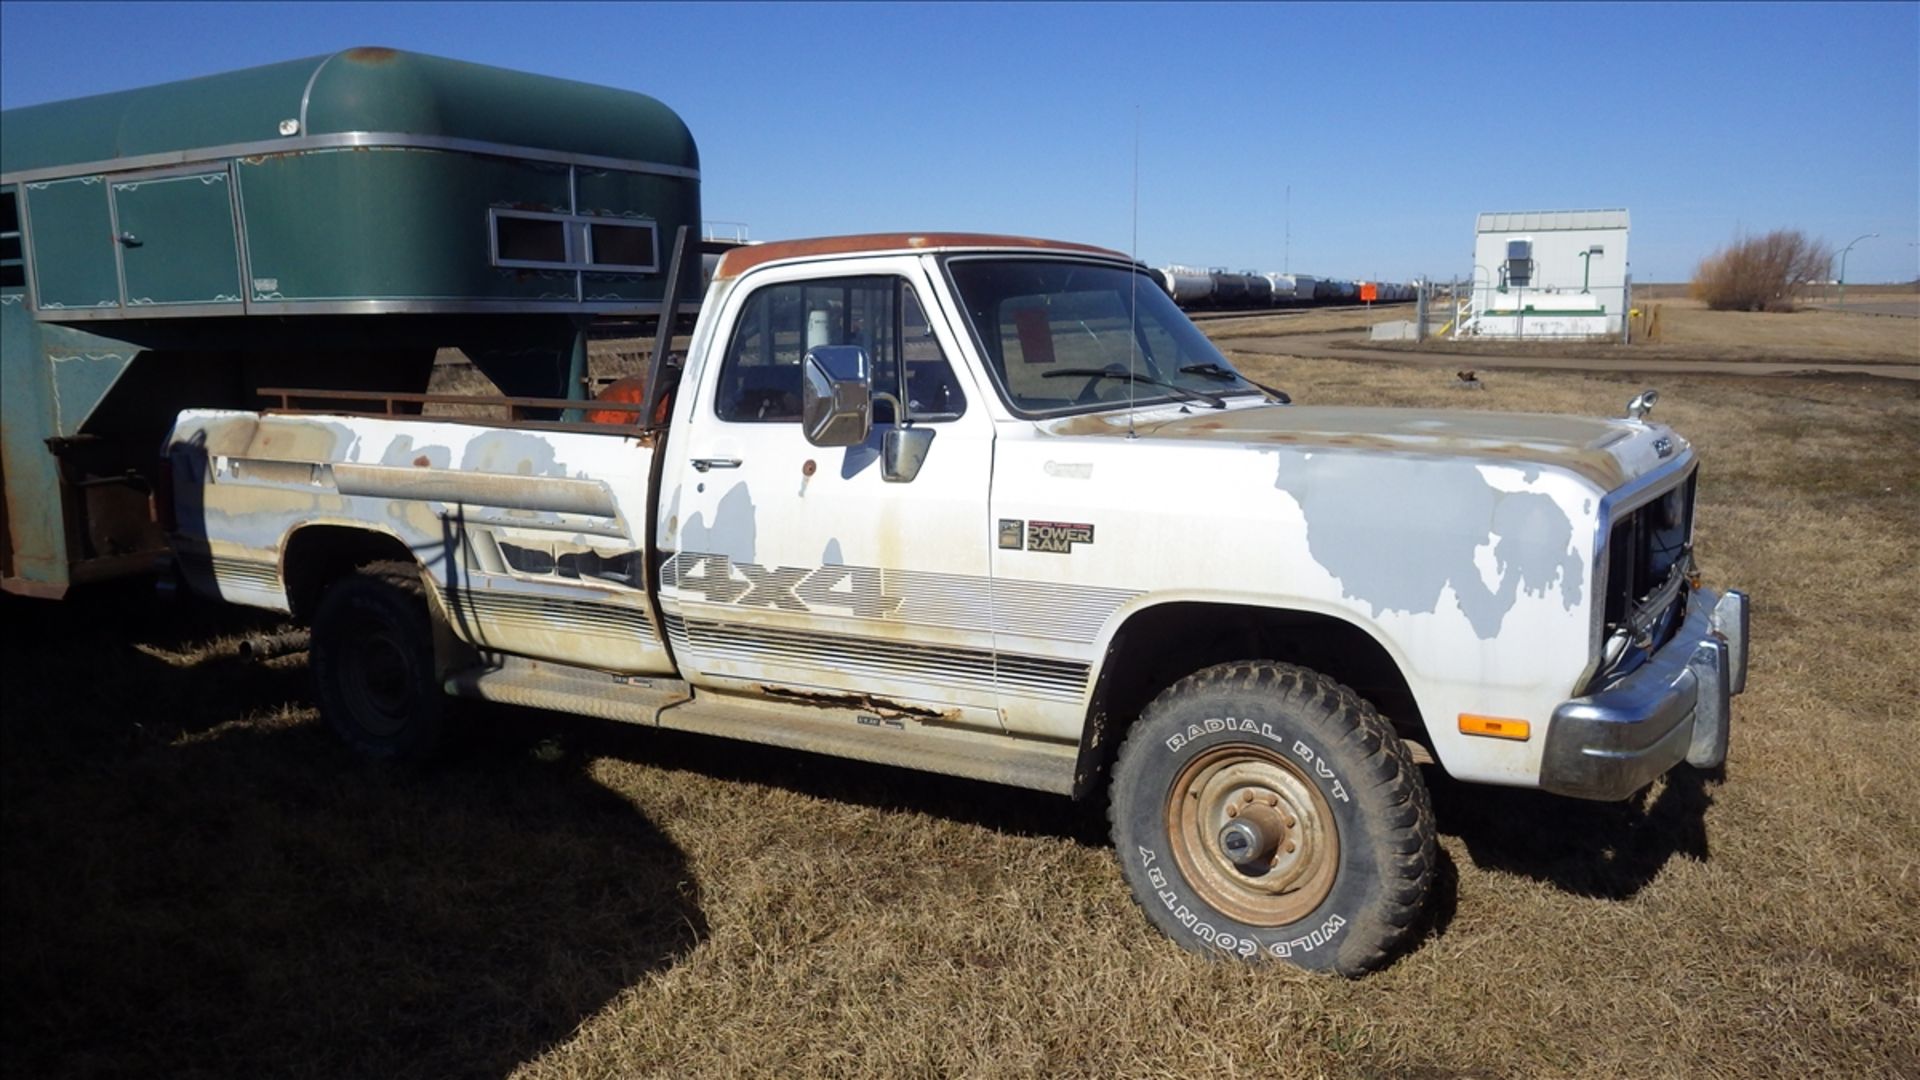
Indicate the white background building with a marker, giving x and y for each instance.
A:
(1550, 273)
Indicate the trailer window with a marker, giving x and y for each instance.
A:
(760, 378)
(13, 267)
(622, 245)
(555, 241)
(528, 239)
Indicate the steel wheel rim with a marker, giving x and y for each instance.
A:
(1271, 798)
(379, 678)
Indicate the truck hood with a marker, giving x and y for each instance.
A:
(1608, 453)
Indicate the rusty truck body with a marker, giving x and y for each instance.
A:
(993, 507)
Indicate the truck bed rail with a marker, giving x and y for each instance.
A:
(298, 402)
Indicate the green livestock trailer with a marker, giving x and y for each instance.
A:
(324, 223)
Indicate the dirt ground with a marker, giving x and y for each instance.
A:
(1306, 321)
(200, 882)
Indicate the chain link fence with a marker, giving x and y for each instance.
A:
(1462, 309)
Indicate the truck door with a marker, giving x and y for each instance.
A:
(797, 570)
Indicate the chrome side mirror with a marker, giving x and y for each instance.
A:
(836, 395)
(1642, 404)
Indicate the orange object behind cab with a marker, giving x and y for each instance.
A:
(630, 390)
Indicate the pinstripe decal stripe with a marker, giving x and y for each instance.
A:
(1026, 676)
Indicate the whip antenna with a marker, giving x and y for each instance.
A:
(1133, 277)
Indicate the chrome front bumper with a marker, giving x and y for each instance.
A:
(1674, 708)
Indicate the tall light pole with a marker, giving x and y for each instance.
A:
(1843, 264)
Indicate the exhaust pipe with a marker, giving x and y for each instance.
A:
(267, 646)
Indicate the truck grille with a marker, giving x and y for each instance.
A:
(1649, 556)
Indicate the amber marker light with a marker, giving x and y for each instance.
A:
(1497, 727)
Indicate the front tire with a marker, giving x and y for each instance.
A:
(1263, 811)
(372, 660)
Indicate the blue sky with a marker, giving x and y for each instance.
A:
(1393, 125)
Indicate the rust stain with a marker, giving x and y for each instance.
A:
(422, 462)
(740, 260)
(879, 706)
(1090, 424)
(371, 54)
(289, 441)
(17, 506)
(229, 436)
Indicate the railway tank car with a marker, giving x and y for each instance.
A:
(1218, 289)
(1187, 286)
(1259, 289)
(1229, 290)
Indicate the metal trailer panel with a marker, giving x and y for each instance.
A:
(358, 90)
(166, 232)
(369, 181)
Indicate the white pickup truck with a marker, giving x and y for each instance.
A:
(994, 507)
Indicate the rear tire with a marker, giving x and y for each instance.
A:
(1266, 812)
(373, 667)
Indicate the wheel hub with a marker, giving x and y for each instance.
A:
(1257, 831)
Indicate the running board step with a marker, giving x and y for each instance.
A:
(876, 735)
(883, 739)
(542, 684)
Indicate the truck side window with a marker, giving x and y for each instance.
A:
(760, 378)
(927, 384)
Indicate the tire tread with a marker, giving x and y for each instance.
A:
(1406, 850)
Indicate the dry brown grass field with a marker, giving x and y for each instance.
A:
(1689, 331)
(1675, 290)
(200, 882)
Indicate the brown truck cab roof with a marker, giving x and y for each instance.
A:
(740, 260)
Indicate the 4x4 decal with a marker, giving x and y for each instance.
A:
(861, 590)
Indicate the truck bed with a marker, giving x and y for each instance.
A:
(534, 541)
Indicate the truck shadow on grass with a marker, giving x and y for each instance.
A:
(1010, 810)
(202, 882)
(1607, 851)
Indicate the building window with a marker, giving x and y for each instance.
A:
(1519, 268)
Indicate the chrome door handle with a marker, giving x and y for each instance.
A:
(703, 464)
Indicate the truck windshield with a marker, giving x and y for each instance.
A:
(1057, 332)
